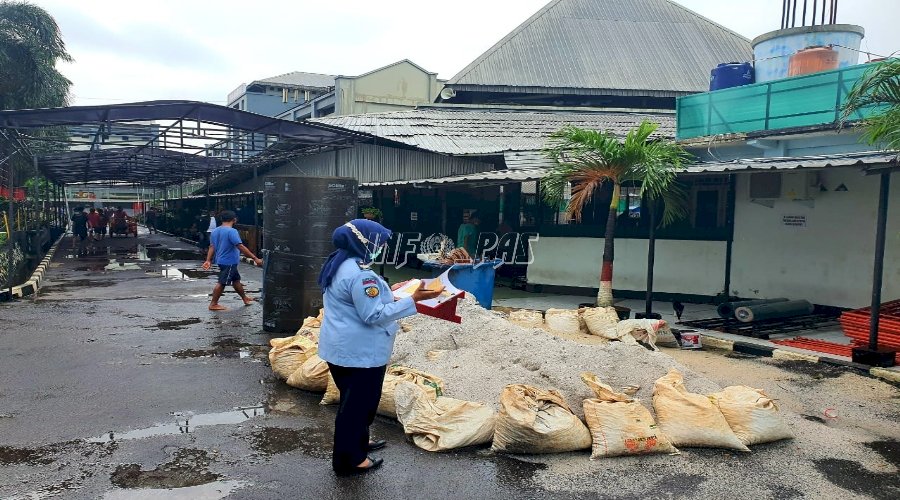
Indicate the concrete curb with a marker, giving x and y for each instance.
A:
(33, 284)
(792, 354)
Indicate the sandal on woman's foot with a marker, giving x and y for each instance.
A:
(374, 463)
(377, 445)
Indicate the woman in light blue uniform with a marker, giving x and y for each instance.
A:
(357, 337)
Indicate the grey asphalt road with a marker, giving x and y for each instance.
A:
(117, 382)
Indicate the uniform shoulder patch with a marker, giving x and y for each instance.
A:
(372, 292)
(367, 281)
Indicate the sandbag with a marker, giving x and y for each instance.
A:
(527, 318)
(620, 425)
(533, 420)
(444, 423)
(311, 376)
(751, 414)
(604, 392)
(432, 385)
(688, 419)
(289, 357)
(564, 321)
(311, 322)
(601, 321)
(642, 330)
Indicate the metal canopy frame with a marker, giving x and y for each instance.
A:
(168, 142)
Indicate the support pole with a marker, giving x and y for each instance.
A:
(9, 228)
(255, 196)
(878, 272)
(651, 256)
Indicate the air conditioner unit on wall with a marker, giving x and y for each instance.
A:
(765, 185)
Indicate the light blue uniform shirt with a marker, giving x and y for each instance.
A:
(361, 316)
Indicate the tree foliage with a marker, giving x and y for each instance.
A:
(879, 86)
(30, 46)
(589, 158)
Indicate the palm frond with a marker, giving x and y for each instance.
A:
(588, 158)
(30, 46)
(879, 85)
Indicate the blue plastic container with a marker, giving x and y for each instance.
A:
(477, 279)
(728, 75)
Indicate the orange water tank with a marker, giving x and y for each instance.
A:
(812, 60)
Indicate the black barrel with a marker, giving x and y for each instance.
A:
(726, 309)
(774, 310)
(300, 213)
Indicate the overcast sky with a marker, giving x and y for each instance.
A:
(201, 50)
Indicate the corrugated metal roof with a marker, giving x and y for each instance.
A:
(648, 45)
(459, 132)
(862, 159)
(532, 165)
(492, 177)
(300, 79)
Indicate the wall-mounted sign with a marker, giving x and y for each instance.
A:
(793, 220)
(414, 216)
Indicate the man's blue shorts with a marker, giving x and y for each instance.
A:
(228, 274)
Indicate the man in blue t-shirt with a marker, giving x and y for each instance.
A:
(226, 245)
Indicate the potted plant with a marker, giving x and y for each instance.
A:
(371, 213)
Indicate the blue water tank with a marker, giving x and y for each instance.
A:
(727, 75)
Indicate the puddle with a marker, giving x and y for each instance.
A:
(816, 371)
(117, 265)
(312, 441)
(24, 456)
(61, 286)
(145, 253)
(226, 348)
(185, 423)
(852, 476)
(177, 324)
(100, 266)
(185, 274)
(515, 472)
(889, 449)
(210, 491)
(187, 467)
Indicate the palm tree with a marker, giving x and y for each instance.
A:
(879, 86)
(589, 159)
(30, 46)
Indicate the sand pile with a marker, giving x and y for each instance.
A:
(479, 357)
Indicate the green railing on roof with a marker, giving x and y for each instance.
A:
(799, 101)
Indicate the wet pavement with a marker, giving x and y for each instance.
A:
(118, 383)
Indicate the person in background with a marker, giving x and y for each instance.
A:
(357, 337)
(205, 240)
(94, 223)
(104, 222)
(226, 245)
(467, 235)
(79, 226)
(150, 220)
(120, 214)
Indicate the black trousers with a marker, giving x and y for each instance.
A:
(360, 392)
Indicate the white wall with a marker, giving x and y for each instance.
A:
(827, 262)
(689, 267)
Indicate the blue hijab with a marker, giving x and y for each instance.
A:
(360, 245)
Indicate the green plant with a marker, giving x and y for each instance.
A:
(589, 159)
(372, 212)
(879, 86)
